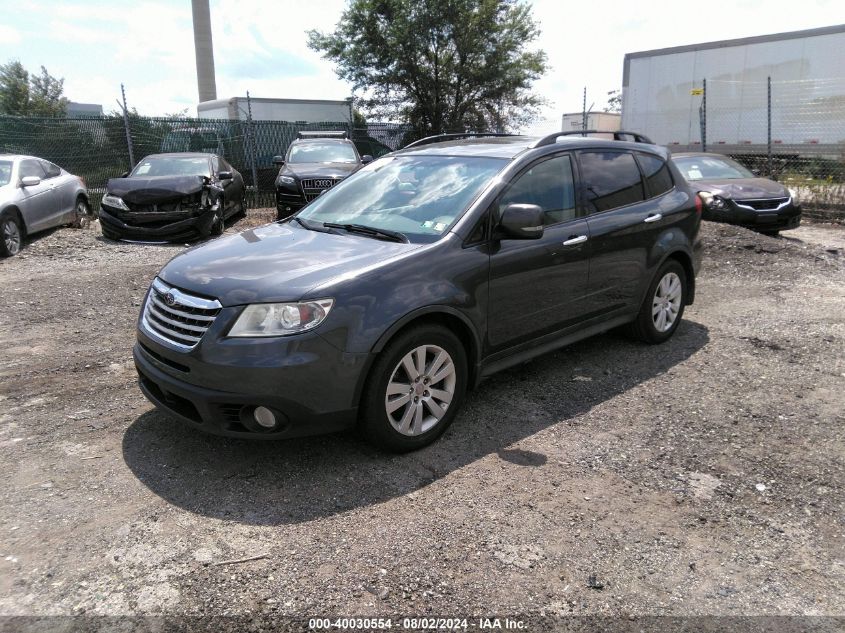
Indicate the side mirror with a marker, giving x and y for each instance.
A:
(225, 175)
(366, 158)
(521, 222)
(30, 181)
(278, 160)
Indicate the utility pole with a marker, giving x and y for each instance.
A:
(126, 127)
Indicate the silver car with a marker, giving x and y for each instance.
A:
(36, 195)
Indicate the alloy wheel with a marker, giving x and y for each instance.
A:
(420, 389)
(12, 236)
(667, 302)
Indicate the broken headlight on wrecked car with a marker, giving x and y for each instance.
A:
(113, 201)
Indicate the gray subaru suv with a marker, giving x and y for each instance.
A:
(385, 299)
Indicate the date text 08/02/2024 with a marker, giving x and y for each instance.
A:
(426, 623)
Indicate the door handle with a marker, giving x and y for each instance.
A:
(654, 217)
(578, 239)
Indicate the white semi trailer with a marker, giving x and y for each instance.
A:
(292, 110)
(783, 93)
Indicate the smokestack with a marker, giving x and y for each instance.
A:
(204, 50)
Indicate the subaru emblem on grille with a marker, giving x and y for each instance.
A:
(170, 299)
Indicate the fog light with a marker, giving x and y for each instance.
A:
(264, 417)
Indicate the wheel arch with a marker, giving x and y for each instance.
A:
(14, 210)
(450, 318)
(684, 259)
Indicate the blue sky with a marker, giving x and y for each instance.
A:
(260, 45)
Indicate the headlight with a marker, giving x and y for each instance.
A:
(713, 203)
(281, 319)
(796, 200)
(114, 201)
(287, 180)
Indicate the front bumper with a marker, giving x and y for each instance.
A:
(310, 385)
(781, 220)
(178, 230)
(287, 203)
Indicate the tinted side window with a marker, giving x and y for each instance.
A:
(51, 169)
(657, 177)
(31, 168)
(611, 179)
(550, 186)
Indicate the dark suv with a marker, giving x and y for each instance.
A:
(388, 297)
(314, 162)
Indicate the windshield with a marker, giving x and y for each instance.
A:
(172, 166)
(5, 172)
(419, 196)
(322, 153)
(190, 141)
(710, 168)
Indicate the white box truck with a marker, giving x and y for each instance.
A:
(663, 94)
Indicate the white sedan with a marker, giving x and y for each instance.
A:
(36, 195)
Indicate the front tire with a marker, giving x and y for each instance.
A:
(82, 214)
(663, 306)
(11, 235)
(414, 389)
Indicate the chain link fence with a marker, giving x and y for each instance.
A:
(791, 131)
(96, 148)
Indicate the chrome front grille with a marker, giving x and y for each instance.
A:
(764, 204)
(313, 187)
(176, 317)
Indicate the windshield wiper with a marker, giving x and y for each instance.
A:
(372, 231)
(311, 226)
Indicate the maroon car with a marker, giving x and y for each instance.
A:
(737, 196)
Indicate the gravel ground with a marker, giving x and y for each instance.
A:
(705, 476)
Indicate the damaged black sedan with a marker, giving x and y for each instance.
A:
(172, 197)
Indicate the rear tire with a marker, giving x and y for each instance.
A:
(414, 389)
(11, 234)
(663, 306)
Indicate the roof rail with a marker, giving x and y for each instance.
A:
(445, 137)
(321, 134)
(618, 135)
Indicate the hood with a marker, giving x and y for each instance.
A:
(742, 188)
(145, 189)
(320, 170)
(276, 262)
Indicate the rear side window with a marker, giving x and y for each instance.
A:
(611, 180)
(658, 180)
(51, 169)
(550, 186)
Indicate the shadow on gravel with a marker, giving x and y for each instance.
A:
(292, 481)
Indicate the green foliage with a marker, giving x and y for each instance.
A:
(440, 65)
(25, 94)
(45, 95)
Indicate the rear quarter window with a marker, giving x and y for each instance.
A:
(610, 179)
(658, 179)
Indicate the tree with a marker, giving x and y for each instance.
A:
(14, 88)
(24, 94)
(440, 65)
(614, 101)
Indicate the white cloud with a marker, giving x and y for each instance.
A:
(8, 35)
